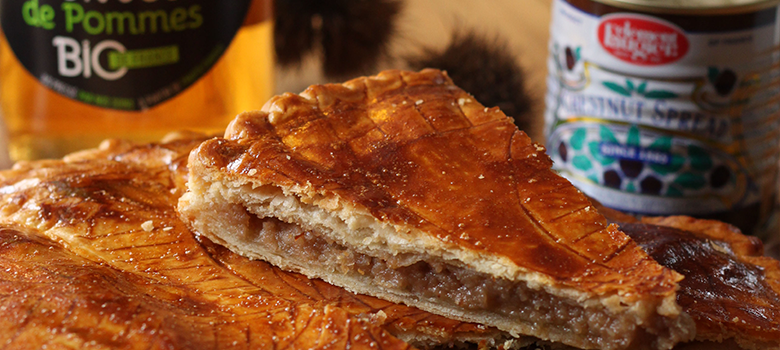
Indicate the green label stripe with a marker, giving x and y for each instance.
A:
(121, 103)
(144, 58)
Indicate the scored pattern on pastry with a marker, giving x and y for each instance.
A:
(126, 273)
(413, 160)
(453, 209)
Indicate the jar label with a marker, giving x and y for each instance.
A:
(120, 54)
(642, 40)
(651, 118)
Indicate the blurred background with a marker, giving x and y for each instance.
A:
(423, 30)
(495, 49)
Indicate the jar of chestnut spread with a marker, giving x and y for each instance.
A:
(665, 107)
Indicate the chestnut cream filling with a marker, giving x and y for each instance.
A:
(441, 283)
(323, 238)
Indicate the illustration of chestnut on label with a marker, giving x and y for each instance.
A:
(723, 81)
(651, 185)
(720, 176)
(570, 70)
(612, 179)
(571, 59)
(631, 168)
(714, 92)
(563, 152)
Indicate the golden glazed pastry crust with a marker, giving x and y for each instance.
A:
(94, 256)
(406, 168)
(731, 289)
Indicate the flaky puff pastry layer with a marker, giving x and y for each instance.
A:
(408, 164)
(94, 256)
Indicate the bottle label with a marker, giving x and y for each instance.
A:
(120, 54)
(651, 118)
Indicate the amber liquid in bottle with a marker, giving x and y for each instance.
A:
(42, 123)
